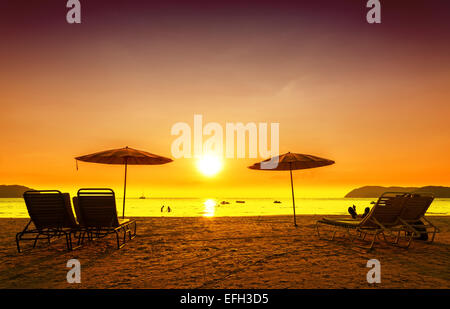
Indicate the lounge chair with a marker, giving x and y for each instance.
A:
(97, 215)
(381, 220)
(412, 217)
(52, 216)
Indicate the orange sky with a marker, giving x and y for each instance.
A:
(374, 98)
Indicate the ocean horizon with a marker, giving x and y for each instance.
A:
(212, 207)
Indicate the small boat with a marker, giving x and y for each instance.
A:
(224, 202)
(241, 202)
(276, 202)
(142, 197)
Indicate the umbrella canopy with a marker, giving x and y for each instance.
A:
(125, 156)
(293, 161)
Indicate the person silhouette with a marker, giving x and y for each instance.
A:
(366, 212)
(352, 212)
(162, 208)
(168, 209)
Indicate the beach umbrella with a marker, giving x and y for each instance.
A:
(124, 156)
(292, 161)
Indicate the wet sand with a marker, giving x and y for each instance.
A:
(227, 252)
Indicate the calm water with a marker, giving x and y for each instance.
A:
(195, 207)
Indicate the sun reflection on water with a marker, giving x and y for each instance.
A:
(210, 207)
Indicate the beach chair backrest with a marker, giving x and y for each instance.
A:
(386, 211)
(97, 208)
(416, 206)
(49, 209)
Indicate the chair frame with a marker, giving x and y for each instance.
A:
(97, 232)
(409, 226)
(376, 230)
(49, 233)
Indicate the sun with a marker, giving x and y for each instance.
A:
(209, 165)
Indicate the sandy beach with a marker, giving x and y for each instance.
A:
(225, 252)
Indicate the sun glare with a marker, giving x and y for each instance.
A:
(209, 165)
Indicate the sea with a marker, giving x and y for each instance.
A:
(218, 207)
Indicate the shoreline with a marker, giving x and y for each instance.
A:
(319, 216)
(252, 207)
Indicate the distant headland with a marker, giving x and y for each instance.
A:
(10, 191)
(376, 191)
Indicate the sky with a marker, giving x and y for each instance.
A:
(372, 97)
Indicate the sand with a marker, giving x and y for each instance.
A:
(227, 252)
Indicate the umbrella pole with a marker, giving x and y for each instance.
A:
(293, 199)
(124, 190)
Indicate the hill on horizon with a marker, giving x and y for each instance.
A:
(12, 191)
(376, 191)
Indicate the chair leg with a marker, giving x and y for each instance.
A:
(409, 239)
(78, 245)
(384, 237)
(397, 238)
(81, 238)
(318, 232)
(18, 237)
(132, 236)
(317, 229)
(118, 240)
(36, 239)
(68, 240)
(373, 242)
(434, 234)
(334, 233)
(364, 237)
